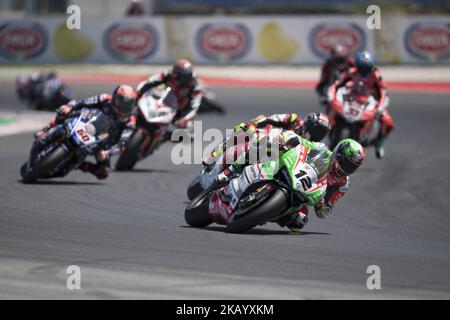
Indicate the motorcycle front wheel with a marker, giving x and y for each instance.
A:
(276, 204)
(197, 212)
(194, 188)
(44, 166)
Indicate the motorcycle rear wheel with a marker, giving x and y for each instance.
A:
(129, 157)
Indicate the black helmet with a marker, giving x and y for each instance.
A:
(316, 126)
(123, 99)
(183, 71)
(364, 63)
(338, 54)
(348, 156)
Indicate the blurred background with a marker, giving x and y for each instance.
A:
(286, 32)
(117, 8)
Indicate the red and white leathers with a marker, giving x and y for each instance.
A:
(189, 96)
(336, 189)
(287, 121)
(376, 86)
(332, 72)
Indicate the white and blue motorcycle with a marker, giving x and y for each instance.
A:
(68, 145)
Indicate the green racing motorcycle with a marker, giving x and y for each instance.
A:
(265, 192)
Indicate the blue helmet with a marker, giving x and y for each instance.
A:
(364, 63)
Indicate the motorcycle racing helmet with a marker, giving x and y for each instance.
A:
(316, 125)
(364, 63)
(183, 72)
(348, 155)
(123, 100)
(338, 54)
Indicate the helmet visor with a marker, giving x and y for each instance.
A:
(123, 105)
(184, 79)
(364, 71)
(347, 166)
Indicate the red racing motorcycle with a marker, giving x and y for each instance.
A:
(155, 113)
(353, 114)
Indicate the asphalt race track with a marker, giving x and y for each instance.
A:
(129, 237)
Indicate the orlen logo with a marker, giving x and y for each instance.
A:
(428, 42)
(323, 37)
(22, 40)
(130, 42)
(223, 41)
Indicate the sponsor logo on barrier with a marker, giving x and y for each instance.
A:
(324, 36)
(428, 41)
(21, 40)
(130, 41)
(223, 41)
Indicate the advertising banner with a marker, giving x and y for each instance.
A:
(224, 39)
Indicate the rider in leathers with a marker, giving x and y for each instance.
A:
(335, 67)
(118, 107)
(315, 127)
(365, 74)
(186, 88)
(347, 156)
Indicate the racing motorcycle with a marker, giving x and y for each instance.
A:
(67, 147)
(355, 116)
(210, 171)
(155, 114)
(264, 192)
(43, 95)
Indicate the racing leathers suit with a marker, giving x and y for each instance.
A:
(119, 132)
(376, 87)
(297, 218)
(188, 97)
(330, 73)
(286, 121)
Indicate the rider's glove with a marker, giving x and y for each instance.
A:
(224, 175)
(63, 111)
(322, 211)
(102, 155)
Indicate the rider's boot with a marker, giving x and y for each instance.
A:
(99, 170)
(379, 146)
(296, 220)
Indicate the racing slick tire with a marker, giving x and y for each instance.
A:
(276, 204)
(44, 166)
(197, 212)
(194, 188)
(129, 157)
